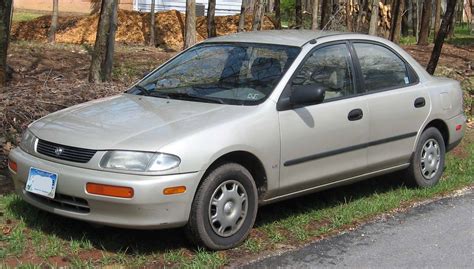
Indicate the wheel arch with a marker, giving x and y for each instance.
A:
(442, 128)
(248, 160)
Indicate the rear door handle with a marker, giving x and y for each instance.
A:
(420, 102)
(355, 114)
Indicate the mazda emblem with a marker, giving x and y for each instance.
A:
(58, 151)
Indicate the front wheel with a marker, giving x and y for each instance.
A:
(224, 208)
(427, 163)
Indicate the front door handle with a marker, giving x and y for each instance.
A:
(355, 114)
(420, 102)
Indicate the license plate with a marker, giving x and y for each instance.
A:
(42, 182)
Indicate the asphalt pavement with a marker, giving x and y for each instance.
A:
(439, 234)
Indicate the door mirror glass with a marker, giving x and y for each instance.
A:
(304, 95)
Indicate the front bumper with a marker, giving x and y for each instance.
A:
(148, 209)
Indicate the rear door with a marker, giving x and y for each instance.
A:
(398, 105)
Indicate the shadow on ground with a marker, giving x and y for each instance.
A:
(144, 242)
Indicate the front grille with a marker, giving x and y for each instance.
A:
(64, 202)
(67, 153)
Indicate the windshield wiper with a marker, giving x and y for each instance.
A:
(187, 96)
(142, 89)
(160, 95)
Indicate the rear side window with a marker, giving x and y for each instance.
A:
(381, 68)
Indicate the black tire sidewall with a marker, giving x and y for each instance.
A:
(207, 236)
(420, 180)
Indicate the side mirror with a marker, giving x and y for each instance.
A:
(304, 95)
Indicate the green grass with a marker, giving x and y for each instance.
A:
(25, 16)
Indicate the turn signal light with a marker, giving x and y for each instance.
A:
(13, 166)
(108, 190)
(458, 127)
(174, 190)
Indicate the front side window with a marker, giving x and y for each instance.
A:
(381, 68)
(242, 74)
(328, 67)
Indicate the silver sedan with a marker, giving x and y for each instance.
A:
(236, 122)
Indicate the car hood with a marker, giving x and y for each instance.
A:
(129, 122)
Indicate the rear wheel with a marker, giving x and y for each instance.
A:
(224, 208)
(427, 163)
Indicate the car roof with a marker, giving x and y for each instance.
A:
(278, 37)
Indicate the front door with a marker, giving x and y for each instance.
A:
(325, 142)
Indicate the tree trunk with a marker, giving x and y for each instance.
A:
(190, 24)
(349, 16)
(425, 23)
(277, 9)
(211, 22)
(152, 23)
(54, 23)
(414, 18)
(397, 13)
(243, 8)
(257, 15)
(298, 14)
(442, 33)
(326, 11)
(5, 23)
(314, 24)
(405, 19)
(102, 58)
(374, 18)
(437, 16)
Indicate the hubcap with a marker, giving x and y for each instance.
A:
(430, 158)
(228, 208)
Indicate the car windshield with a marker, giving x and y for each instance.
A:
(240, 74)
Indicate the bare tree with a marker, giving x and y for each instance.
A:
(211, 22)
(152, 23)
(257, 15)
(102, 57)
(397, 13)
(54, 22)
(326, 11)
(405, 18)
(5, 23)
(437, 16)
(298, 14)
(374, 18)
(349, 20)
(315, 9)
(425, 23)
(277, 9)
(190, 24)
(414, 17)
(442, 33)
(243, 9)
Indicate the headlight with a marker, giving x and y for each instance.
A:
(139, 161)
(28, 141)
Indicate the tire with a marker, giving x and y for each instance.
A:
(427, 162)
(226, 222)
